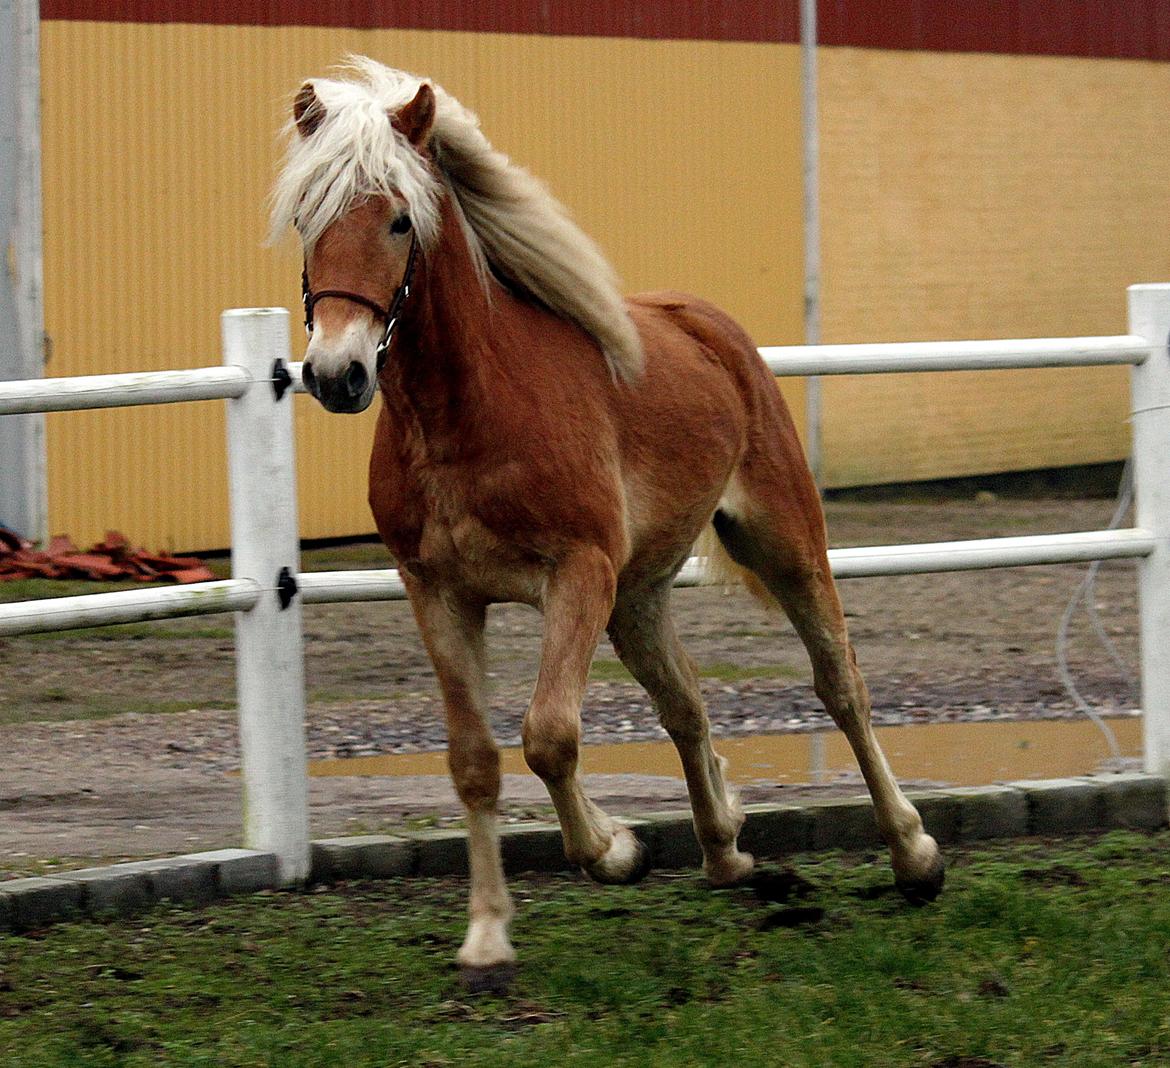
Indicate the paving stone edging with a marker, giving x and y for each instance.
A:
(961, 814)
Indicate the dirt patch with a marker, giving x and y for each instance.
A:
(122, 741)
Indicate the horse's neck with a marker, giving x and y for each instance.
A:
(444, 352)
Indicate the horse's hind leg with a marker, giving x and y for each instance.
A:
(644, 637)
(577, 603)
(453, 634)
(777, 531)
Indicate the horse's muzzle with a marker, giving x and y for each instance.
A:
(349, 392)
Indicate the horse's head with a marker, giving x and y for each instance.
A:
(358, 269)
(376, 162)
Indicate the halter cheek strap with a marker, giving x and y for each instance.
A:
(388, 316)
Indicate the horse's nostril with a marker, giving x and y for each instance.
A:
(310, 379)
(356, 379)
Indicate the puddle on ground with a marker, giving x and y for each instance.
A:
(961, 754)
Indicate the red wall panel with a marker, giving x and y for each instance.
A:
(1124, 29)
(714, 20)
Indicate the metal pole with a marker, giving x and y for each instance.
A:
(270, 669)
(1149, 317)
(812, 226)
(23, 495)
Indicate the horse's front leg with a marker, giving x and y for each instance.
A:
(577, 604)
(453, 634)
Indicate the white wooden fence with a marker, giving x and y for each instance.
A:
(266, 591)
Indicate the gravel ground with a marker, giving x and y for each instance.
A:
(122, 743)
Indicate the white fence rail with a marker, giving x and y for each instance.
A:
(888, 358)
(130, 606)
(266, 591)
(122, 391)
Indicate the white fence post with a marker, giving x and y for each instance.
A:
(1149, 317)
(270, 671)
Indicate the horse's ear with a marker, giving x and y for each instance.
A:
(307, 110)
(415, 119)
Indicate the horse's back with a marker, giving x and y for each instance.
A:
(678, 328)
(699, 318)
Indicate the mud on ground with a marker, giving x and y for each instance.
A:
(121, 741)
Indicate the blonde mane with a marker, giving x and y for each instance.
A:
(514, 226)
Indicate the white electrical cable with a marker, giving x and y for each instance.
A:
(1084, 595)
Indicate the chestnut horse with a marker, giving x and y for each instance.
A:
(543, 441)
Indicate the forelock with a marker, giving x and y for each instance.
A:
(354, 152)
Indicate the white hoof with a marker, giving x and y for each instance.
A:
(919, 872)
(626, 861)
(486, 945)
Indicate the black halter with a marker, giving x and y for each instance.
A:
(389, 315)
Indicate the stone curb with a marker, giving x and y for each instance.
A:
(365, 856)
(961, 814)
(533, 847)
(126, 889)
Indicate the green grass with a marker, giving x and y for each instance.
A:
(609, 671)
(1037, 954)
(168, 631)
(615, 671)
(372, 554)
(38, 589)
(83, 705)
(721, 669)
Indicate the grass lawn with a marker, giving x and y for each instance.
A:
(1039, 953)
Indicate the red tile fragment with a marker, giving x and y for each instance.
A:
(192, 574)
(112, 558)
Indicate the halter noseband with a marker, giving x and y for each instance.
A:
(389, 315)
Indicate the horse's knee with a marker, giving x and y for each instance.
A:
(551, 750)
(475, 771)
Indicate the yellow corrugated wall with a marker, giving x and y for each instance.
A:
(962, 196)
(979, 196)
(159, 148)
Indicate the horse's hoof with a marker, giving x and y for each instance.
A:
(731, 870)
(493, 979)
(626, 861)
(924, 890)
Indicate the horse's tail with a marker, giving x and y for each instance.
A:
(719, 569)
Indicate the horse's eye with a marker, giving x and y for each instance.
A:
(401, 225)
